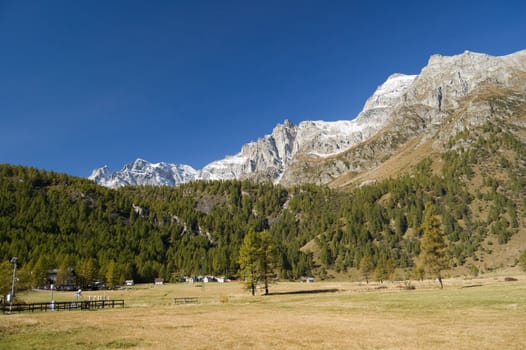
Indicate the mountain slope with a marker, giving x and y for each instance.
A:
(450, 95)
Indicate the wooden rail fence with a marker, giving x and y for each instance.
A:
(186, 300)
(63, 305)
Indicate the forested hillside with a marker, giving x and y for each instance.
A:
(51, 220)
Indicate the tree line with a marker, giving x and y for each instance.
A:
(55, 221)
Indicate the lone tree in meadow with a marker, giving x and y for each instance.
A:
(366, 267)
(266, 258)
(256, 259)
(433, 245)
(248, 266)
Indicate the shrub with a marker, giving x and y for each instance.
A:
(408, 285)
(474, 270)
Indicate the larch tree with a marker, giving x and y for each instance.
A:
(366, 267)
(256, 259)
(5, 277)
(433, 245)
(87, 271)
(62, 275)
(40, 272)
(380, 271)
(266, 258)
(248, 260)
(112, 274)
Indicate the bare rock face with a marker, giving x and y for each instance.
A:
(445, 81)
(401, 109)
(267, 156)
(441, 101)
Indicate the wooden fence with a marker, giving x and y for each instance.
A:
(62, 305)
(186, 300)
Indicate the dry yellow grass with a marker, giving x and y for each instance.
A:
(326, 315)
(409, 155)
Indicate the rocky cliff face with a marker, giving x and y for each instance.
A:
(265, 158)
(433, 105)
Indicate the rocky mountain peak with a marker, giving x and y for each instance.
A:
(138, 165)
(142, 172)
(450, 95)
(447, 79)
(100, 174)
(389, 93)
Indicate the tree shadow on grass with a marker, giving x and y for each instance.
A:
(310, 291)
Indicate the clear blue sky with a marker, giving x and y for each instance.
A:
(89, 83)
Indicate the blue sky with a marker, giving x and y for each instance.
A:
(89, 83)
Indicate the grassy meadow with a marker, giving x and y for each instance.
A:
(485, 313)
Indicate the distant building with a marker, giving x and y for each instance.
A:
(207, 279)
(158, 281)
(62, 281)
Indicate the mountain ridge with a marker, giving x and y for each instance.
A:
(320, 152)
(437, 98)
(279, 146)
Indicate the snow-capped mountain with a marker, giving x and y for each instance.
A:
(450, 95)
(268, 157)
(142, 172)
(319, 151)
